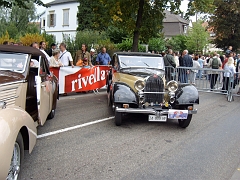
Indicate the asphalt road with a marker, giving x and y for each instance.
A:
(209, 149)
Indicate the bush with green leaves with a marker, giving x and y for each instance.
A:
(156, 44)
(177, 43)
(126, 45)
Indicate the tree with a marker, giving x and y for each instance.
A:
(225, 23)
(197, 38)
(19, 3)
(177, 43)
(85, 15)
(17, 20)
(140, 18)
(156, 44)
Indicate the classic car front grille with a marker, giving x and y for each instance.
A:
(154, 84)
(8, 93)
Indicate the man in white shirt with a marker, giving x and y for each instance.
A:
(65, 56)
(42, 47)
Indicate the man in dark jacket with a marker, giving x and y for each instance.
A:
(170, 64)
(186, 62)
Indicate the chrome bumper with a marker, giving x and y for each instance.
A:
(148, 111)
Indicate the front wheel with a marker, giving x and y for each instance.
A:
(183, 123)
(51, 114)
(118, 116)
(17, 156)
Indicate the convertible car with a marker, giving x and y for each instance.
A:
(28, 96)
(137, 84)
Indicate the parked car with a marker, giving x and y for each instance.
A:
(28, 96)
(136, 84)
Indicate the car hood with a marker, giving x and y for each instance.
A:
(143, 72)
(9, 76)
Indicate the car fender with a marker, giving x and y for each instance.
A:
(186, 94)
(13, 120)
(122, 93)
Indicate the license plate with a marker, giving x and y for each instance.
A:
(154, 118)
(177, 114)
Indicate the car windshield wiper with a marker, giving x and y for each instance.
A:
(146, 64)
(123, 63)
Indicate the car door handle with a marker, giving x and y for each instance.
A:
(42, 85)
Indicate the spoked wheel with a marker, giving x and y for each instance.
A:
(18, 153)
(118, 116)
(183, 123)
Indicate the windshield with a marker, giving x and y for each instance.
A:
(141, 61)
(13, 62)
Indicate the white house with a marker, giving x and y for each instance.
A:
(60, 19)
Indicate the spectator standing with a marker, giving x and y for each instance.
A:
(214, 63)
(65, 56)
(35, 45)
(230, 71)
(103, 57)
(93, 57)
(176, 59)
(186, 62)
(228, 51)
(193, 72)
(201, 63)
(42, 47)
(83, 54)
(6, 43)
(54, 60)
(169, 65)
(50, 51)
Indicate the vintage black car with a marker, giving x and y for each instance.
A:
(136, 84)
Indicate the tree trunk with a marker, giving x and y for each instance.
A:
(138, 26)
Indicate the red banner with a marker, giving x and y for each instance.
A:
(82, 79)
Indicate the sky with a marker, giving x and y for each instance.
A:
(183, 7)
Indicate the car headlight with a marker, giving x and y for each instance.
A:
(2, 105)
(139, 85)
(172, 86)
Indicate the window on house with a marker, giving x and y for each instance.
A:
(51, 19)
(43, 22)
(65, 17)
(184, 29)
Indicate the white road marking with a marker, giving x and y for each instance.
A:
(73, 127)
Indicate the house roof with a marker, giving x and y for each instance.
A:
(60, 2)
(170, 18)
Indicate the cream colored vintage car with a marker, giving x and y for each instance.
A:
(28, 96)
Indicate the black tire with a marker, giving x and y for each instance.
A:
(16, 161)
(51, 114)
(183, 123)
(109, 98)
(118, 116)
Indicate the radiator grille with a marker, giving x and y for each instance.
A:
(154, 84)
(8, 93)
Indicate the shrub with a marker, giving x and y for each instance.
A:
(126, 45)
(5, 37)
(156, 44)
(29, 38)
(49, 38)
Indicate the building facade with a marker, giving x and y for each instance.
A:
(174, 25)
(60, 19)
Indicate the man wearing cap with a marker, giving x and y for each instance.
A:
(93, 57)
(83, 54)
(103, 57)
(50, 51)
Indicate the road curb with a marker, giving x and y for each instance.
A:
(236, 175)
